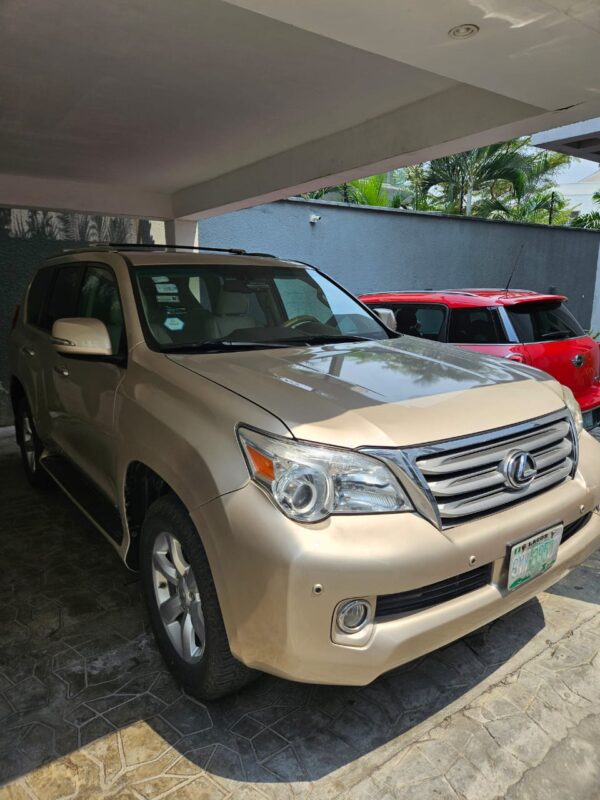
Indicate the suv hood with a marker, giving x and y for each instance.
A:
(381, 393)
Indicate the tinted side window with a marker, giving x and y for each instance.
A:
(543, 322)
(38, 294)
(424, 320)
(475, 326)
(63, 297)
(99, 299)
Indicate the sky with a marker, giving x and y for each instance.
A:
(578, 169)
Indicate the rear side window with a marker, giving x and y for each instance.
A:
(543, 322)
(475, 326)
(38, 294)
(63, 296)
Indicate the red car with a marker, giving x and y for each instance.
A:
(536, 329)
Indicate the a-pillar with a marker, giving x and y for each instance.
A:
(181, 232)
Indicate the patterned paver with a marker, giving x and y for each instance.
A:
(87, 709)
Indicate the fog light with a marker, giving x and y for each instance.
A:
(353, 616)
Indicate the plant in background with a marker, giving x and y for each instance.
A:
(591, 220)
(510, 180)
(547, 207)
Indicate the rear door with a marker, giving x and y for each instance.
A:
(481, 329)
(556, 343)
(31, 350)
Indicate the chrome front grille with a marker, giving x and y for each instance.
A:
(459, 480)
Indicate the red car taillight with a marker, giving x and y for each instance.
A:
(15, 317)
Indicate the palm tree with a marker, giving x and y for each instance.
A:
(548, 207)
(591, 220)
(463, 176)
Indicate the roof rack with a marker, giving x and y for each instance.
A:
(110, 246)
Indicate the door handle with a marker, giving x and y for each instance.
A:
(62, 371)
(28, 351)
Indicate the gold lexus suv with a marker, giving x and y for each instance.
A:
(305, 491)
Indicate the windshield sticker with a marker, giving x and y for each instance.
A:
(168, 298)
(166, 288)
(160, 279)
(174, 324)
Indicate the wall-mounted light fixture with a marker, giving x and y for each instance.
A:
(314, 218)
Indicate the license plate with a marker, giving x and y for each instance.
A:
(533, 556)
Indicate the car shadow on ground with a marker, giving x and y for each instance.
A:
(78, 662)
(583, 583)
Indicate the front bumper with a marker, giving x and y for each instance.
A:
(266, 568)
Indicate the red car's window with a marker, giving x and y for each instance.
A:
(543, 322)
(425, 320)
(475, 326)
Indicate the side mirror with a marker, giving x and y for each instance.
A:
(387, 316)
(81, 336)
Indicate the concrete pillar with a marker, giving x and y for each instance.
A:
(182, 232)
(595, 321)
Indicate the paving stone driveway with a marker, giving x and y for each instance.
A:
(87, 709)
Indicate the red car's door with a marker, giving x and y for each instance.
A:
(573, 362)
(556, 343)
(515, 352)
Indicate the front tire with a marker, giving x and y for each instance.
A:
(31, 447)
(183, 604)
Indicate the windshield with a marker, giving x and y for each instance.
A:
(543, 322)
(213, 307)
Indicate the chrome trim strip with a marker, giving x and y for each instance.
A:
(403, 461)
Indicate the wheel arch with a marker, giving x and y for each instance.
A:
(142, 486)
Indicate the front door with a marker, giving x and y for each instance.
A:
(83, 389)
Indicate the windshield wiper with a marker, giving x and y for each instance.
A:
(217, 345)
(323, 339)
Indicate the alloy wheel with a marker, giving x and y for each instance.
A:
(178, 598)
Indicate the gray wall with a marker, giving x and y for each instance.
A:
(19, 258)
(380, 249)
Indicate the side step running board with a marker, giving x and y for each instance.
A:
(94, 504)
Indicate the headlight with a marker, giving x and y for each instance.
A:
(574, 408)
(310, 482)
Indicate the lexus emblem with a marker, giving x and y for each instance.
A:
(578, 360)
(519, 469)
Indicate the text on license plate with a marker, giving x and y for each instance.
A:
(533, 556)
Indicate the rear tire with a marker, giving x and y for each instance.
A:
(183, 604)
(31, 447)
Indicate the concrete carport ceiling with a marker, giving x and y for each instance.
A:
(180, 109)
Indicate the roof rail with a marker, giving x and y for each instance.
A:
(112, 246)
(236, 251)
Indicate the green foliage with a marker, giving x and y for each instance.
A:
(546, 207)
(591, 220)
(510, 180)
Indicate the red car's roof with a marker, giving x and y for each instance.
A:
(460, 298)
